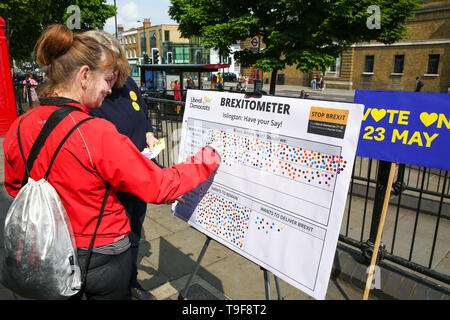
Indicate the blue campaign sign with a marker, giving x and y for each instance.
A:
(405, 127)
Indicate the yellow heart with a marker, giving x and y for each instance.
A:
(428, 119)
(378, 114)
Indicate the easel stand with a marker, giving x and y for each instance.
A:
(183, 294)
(267, 285)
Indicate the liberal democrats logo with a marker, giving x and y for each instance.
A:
(200, 103)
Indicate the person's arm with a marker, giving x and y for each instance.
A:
(13, 180)
(149, 137)
(115, 153)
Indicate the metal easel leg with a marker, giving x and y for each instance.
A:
(277, 284)
(183, 295)
(266, 283)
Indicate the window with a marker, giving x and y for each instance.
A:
(399, 61)
(433, 64)
(143, 44)
(134, 70)
(181, 54)
(368, 67)
(166, 35)
(333, 66)
(335, 69)
(152, 37)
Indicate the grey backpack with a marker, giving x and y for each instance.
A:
(40, 260)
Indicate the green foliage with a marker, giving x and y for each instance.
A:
(26, 19)
(308, 33)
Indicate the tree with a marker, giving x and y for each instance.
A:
(308, 33)
(26, 19)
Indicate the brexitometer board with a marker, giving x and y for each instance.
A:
(279, 194)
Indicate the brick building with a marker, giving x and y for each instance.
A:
(425, 54)
(167, 39)
(376, 66)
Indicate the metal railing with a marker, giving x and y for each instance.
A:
(419, 194)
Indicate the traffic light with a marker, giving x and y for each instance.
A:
(146, 60)
(155, 56)
(258, 85)
(225, 59)
(198, 57)
(169, 58)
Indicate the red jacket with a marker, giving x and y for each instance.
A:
(93, 154)
(177, 92)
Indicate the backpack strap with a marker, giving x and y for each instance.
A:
(91, 245)
(61, 144)
(55, 118)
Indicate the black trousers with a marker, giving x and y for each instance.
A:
(108, 276)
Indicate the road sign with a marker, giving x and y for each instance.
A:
(254, 43)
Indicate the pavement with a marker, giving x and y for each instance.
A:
(294, 91)
(170, 248)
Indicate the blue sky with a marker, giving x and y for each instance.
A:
(129, 11)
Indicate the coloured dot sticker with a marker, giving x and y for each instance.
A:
(266, 226)
(224, 218)
(295, 163)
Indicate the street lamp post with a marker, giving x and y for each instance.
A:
(115, 18)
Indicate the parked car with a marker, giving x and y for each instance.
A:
(37, 75)
(229, 77)
(19, 76)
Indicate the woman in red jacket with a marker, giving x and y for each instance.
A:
(176, 91)
(95, 155)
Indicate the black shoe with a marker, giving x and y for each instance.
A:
(140, 293)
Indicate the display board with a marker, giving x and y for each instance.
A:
(170, 83)
(279, 195)
(405, 127)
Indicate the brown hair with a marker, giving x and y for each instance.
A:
(64, 52)
(112, 43)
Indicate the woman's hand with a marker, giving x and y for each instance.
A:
(217, 146)
(151, 140)
(179, 199)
